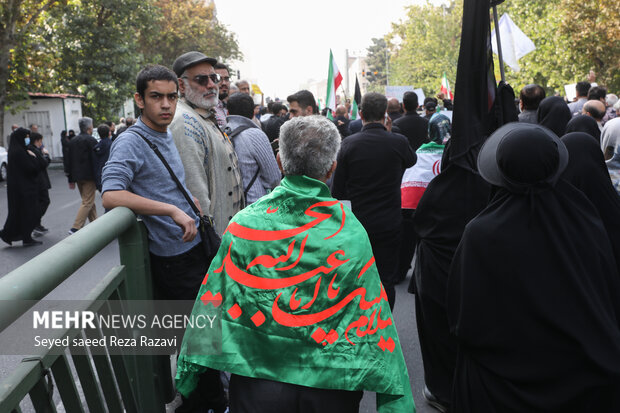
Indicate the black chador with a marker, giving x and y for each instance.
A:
(586, 170)
(534, 292)
(22, 191)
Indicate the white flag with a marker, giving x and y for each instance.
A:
(515, 44)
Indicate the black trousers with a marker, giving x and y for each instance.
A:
(438, 348)
(407, 247)
(386, 249)
(250, 395)
(179, 278)
(44, 202)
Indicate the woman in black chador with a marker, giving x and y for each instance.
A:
(22, 191)
(587, 171)
(534, 291)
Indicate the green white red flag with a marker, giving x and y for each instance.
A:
(334, 79)
(445, 87)
(416, 179)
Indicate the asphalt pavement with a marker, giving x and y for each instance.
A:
(59, 219)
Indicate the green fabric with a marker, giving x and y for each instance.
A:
(430, 147)
(282, 332)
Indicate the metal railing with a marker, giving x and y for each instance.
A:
(115, 383)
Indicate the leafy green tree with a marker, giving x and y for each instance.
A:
(377, 61)
(17, 19)
(571, 39)
(592, 30)
(184, 25)
(429, 47)
(552, 64)
(98, 48)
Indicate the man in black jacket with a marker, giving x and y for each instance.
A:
(80, 169)
(415, 128)
(412, 125)
(370, 169)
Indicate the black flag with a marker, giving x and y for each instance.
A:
(453, 198)
(358, 94)
(357, 99)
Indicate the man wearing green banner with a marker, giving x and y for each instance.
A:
(305, 322)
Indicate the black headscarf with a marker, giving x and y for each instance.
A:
(584, 123)
(18, 140)
(554, 114)
(587, 171)
(534, 294)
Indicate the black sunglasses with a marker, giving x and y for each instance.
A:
(203, 80)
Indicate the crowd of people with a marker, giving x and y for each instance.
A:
(518, 310)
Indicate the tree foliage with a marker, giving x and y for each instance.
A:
(96, 47)
(572, 37)
(429, 46)
(183, 25)
(377, 61)
(98, 51)
(17, 19)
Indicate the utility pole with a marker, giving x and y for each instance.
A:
(346, 71)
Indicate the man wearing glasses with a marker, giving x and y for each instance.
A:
(210, 163)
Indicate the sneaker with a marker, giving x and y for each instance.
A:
(432, 400)
(73, 231)
(40, 228)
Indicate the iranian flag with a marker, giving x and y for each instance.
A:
(445, 87)
(416, 179)
(334, 79)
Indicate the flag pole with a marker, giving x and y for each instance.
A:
(499, 42)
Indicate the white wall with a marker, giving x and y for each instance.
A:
(50, 116)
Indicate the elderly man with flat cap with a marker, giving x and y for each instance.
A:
(211, 167)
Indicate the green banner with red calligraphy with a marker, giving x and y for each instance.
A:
(301, 301)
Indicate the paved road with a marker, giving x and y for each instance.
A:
(59, 218)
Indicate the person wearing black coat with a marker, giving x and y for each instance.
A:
(81, 171)
(22, 191)
(43, 180)
(415, 129)
(370, 169)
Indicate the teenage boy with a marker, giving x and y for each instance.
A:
(134, 177)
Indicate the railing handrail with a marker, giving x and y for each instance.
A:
(38, 277)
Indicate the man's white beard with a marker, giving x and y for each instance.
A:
(199, 100)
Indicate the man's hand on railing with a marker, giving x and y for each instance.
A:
(187, 224)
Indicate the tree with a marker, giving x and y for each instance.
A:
(571, 39)
(17, 18)
(377, 61)
(98, 50)
(430, 46)
(185, 25)
(592, 30)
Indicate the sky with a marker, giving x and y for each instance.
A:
(286, 43)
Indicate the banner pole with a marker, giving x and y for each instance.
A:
(499, 44)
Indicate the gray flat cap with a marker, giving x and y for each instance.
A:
(190, 59)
